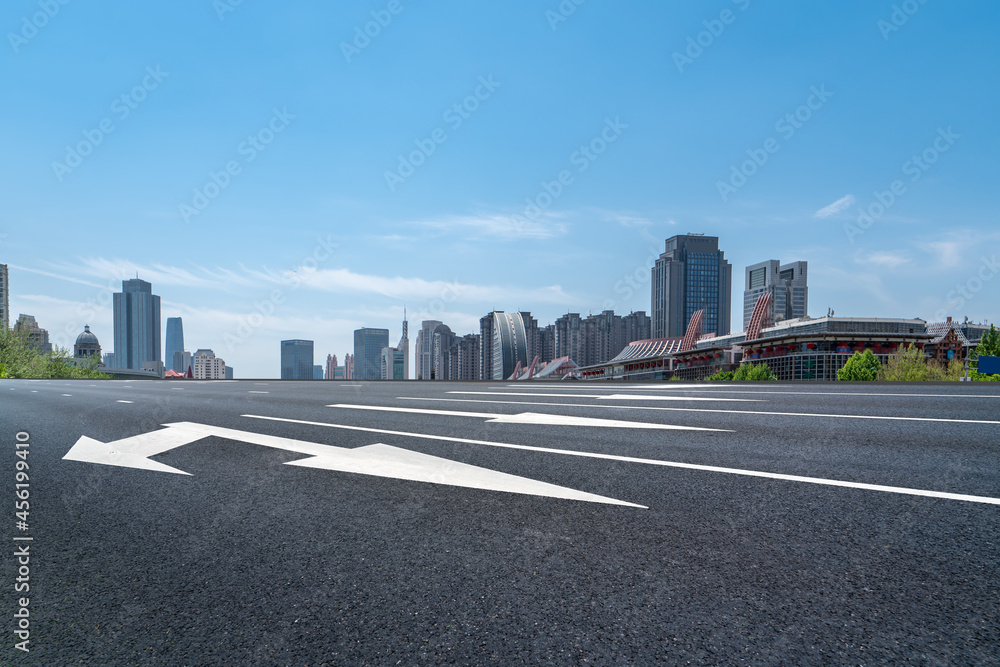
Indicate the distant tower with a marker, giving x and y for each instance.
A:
(404, 346)
(174, 344)
(137, 324)
(691, 275)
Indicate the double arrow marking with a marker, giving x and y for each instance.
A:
(378, 460)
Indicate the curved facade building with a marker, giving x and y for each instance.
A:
(510, 344)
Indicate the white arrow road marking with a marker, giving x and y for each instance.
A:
(378, 460)
(728, 412)
(656, 462)
(528, 417)
(620, 396)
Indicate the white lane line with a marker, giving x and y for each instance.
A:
(258, 392)
(67, 394)
(626, 396)
(260, 384)
(750, 390)
(539, 419)
(123, 401)
(34, 391)
(727, 412)
(654, 462)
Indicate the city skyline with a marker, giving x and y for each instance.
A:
(469, 178)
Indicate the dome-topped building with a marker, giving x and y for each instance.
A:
(87, 345)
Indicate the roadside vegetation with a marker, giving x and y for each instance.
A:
(910, 364)
(19, 359)
(745, 373)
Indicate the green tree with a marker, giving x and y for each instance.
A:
(861, 367)
(753, 372)
(989, 346)
(720, 376)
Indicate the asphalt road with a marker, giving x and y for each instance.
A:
(246, 560)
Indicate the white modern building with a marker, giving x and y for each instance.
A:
(206, 366)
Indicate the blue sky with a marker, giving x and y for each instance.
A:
(276, 173)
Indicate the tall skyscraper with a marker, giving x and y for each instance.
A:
(331, 366)
(785, 282)
(368, 344)
(424, 348)
(691, 275)
(348, 366)
(486, 346)
(296, 359)
(4, 297)
(404, 346)
(174, 342)
(509, 344)
(137, 324)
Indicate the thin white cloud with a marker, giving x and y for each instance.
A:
(836, 207)
(398, 287)
(886, 259)
(544, 226)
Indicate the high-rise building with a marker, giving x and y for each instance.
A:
(206, 366)
(296, 359)
(786, 284)
(547, 343)
(391, 364)
(348, 366)
(174, 342)
(464, 358)
(509, 344)
(4, 298)
(317, 372)
(38, 338)
(423, 350)
(229, 372)
(486, 346)
(368, 344)
(404, 347)
(181, 361)
(331, 365)
(691, 275)
(137, 324)
(637, 327)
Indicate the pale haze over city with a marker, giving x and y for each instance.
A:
(275, 172)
